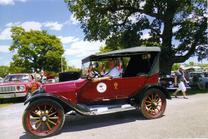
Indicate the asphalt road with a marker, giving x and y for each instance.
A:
(182, 119)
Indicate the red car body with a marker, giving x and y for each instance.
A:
(136, 87)
(13, 85)
(84, 91)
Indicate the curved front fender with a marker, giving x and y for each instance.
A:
(38, 95)
(67, 106)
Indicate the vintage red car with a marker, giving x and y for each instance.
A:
(18, 85)
(135, 87)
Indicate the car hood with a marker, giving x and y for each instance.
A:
(13, 83)
(63, 87)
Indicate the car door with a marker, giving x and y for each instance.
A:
(126, 87)
(97, 91)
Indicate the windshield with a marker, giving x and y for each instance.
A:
(102, 67)
(10, 78)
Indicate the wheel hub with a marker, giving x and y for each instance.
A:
(154, 105)
(44, 118)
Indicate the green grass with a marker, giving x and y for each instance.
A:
(191, 91)
(196, 91)
(5, 105)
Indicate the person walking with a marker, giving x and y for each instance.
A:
(181, 80)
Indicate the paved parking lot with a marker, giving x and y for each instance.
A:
(182, 119)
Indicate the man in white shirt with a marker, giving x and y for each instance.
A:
(113, 72)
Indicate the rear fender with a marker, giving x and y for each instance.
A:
(141, 93)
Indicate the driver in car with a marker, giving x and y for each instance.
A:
(112, 73)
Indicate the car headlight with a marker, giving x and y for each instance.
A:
(21, 88)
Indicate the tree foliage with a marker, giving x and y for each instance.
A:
(4, 70)
(177, 26)
(35, 51)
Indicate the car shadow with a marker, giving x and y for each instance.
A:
(79, 123)
(76, 123)
(12, 100)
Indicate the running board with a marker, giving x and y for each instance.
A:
(103, 109)
(110, 109)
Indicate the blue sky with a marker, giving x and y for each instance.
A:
(50, 15)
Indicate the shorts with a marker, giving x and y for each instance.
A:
(182, 87)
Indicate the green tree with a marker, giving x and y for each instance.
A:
(104, 49)
(175, 67)
(35, 50)
(72, 69)
(4, 70)
(191, 63)
(177, 26)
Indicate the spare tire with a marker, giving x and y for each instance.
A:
(68, 76)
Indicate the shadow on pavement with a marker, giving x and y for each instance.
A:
(76, 123)
(12, 100)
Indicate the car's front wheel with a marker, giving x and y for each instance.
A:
(153, 104)
(43, 118)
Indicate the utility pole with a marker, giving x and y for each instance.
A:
(61, 65)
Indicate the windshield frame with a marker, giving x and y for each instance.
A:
(19, 77)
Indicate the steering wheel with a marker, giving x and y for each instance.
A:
(93, 74)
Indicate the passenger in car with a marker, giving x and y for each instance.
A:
(113, 71)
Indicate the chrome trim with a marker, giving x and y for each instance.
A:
(12, 95)
(11, 88)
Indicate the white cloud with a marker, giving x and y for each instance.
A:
(80, 50)
(10, 24)
(68, 39)
(145, 36)
(10, 2)
(4, 48)
(142, 4)
(34, 25)
(74, 20)
(175, 29)
(53, 25)
(31, 25)
(5, 34)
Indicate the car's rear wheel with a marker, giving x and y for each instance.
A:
(43, 118)
(153, 104)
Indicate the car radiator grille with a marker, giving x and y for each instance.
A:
(7, 89)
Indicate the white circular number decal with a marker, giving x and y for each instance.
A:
(101, 87)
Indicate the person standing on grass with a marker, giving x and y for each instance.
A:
(181, 80)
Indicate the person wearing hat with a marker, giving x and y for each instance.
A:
(112, 73)
(181, 80)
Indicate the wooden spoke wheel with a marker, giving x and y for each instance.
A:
(153, 104)
(43, 118)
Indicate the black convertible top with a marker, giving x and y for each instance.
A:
(122, 53)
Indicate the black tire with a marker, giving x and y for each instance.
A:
(153, 104)
(43, 114)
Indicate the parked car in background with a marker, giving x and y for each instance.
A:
(198, 79)
(132, 85)
(170, 82)
(18, 85)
